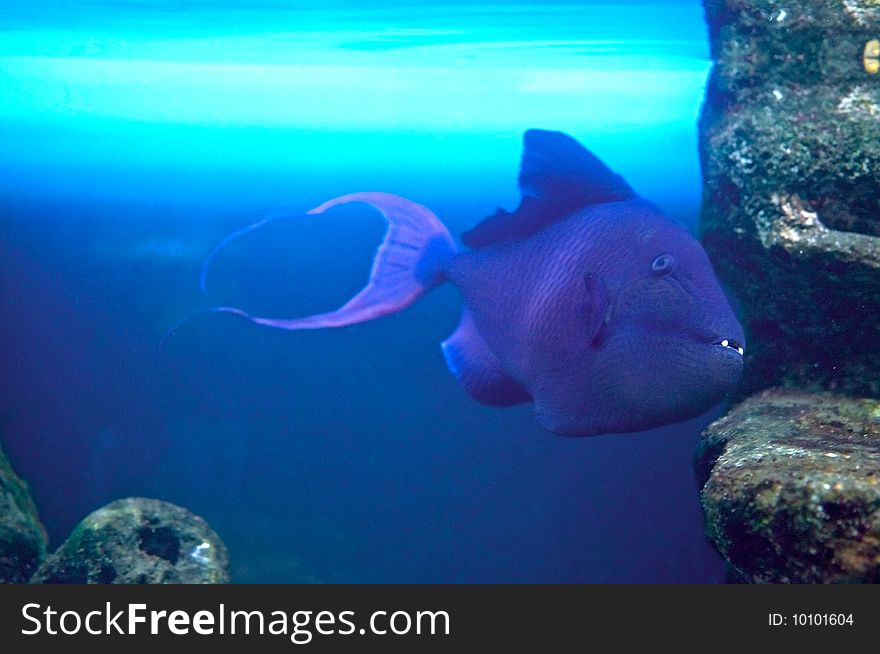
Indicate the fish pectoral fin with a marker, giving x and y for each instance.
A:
(478, 370)
(557, 177)
(596, 308)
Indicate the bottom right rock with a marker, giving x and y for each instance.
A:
(790, 487)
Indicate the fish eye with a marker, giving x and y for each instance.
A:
(662, 264)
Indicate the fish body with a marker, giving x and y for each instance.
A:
(587, 300)
(597, 338)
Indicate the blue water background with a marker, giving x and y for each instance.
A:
(136, 135)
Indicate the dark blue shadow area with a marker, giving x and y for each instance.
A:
(345, 455)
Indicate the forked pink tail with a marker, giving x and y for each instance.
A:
(408, 263)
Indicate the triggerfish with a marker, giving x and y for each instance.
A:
(587, 300)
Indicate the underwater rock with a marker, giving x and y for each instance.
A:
(791, 488)
(138, 541)
(804, 42)
(22, 536)
(790, 151)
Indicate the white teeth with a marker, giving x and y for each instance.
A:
(733, 345)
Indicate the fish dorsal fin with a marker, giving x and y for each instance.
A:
(557, 177)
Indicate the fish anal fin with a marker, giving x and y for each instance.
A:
(478, 369)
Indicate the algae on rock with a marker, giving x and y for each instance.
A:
(790, 150)
(790, 486)
(22, 536)
(138, 541)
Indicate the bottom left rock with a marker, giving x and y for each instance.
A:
(138, 541)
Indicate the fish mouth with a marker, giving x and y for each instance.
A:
(729, 344)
